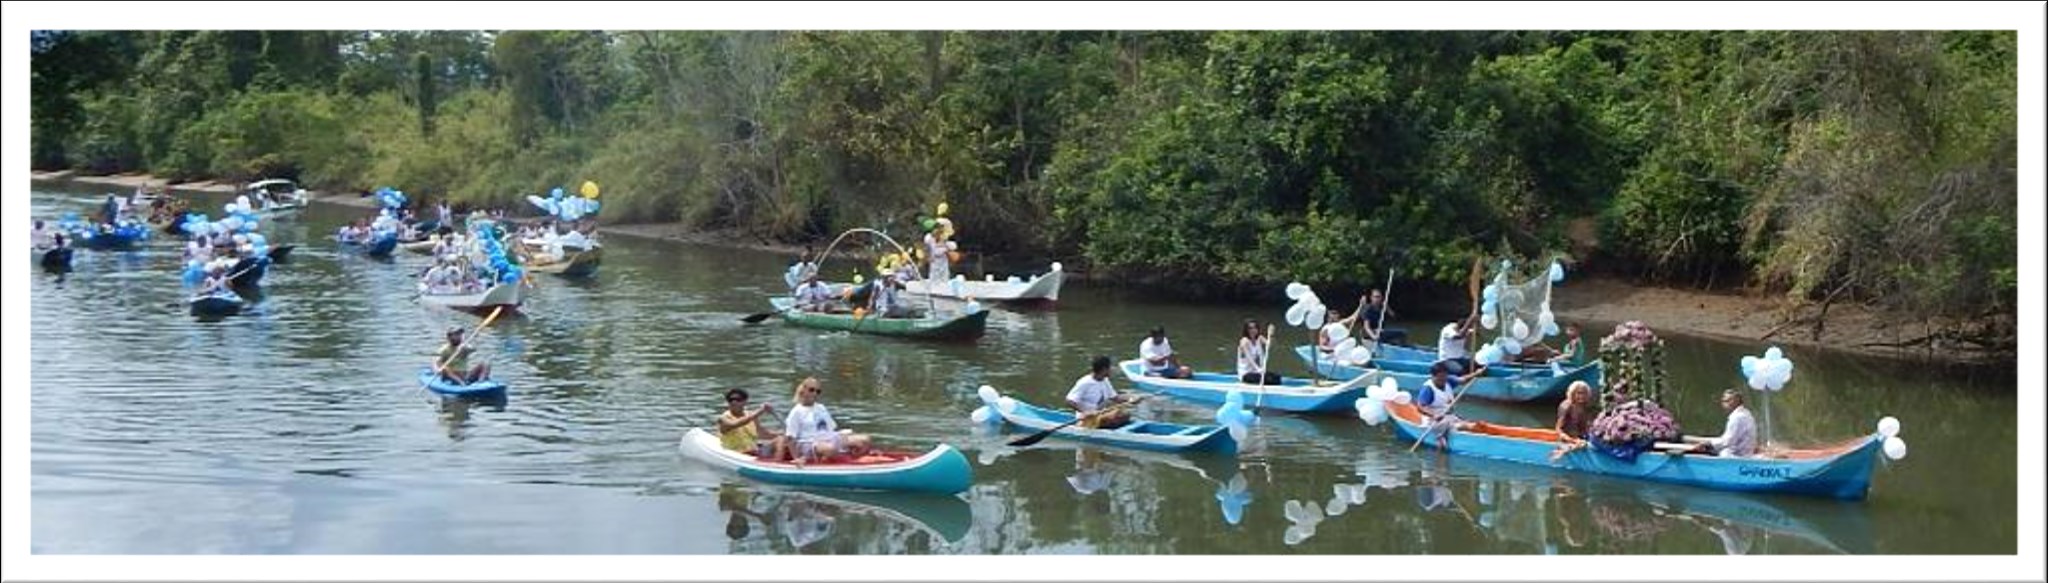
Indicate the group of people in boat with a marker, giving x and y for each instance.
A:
(883, 297)
(809, 435)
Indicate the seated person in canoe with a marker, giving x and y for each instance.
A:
(1092, 396)
(1436, 397)
(1251, 356)
(1160, 361)
(1574, 418)
(813, 434)
(740, 430)
(1738, 438)
(813, 295)
(454, 359)
(1541, 353)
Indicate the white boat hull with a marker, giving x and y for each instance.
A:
(1043, 288)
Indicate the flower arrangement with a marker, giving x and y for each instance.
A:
(1632, 416)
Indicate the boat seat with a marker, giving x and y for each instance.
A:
(1133, 426)
(1190, 430)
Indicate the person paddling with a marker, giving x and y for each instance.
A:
(455, 359)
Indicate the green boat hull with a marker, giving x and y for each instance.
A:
(963, 327)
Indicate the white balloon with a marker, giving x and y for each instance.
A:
(1006, 405)
(1489, 321)
(988, 394)
(1895, 448)
(1888, 426)
(1297, 314)
(1295, 290)
(1238, 432)
(1296, 534)
(1391, 384)
(1337, 505)
(1403, 397)
(1757, 382)
(1336, 333)
(1545, 319)
(1312, 512)
(1344, 346)
(982, 414)
(1520, 329)
(1314, 318)
(1372, 411)
(1358, 355)
(1375, 392)
(1773, 353)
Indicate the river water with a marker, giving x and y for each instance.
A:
(297, 427)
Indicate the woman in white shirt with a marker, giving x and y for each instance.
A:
(812, 430)
(1251, 356)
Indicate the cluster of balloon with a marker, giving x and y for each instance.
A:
(1503, 308)
(1235, 418)
(389, 198)
(1373, 408)
(487, 236)
(1894, 447)
(1769, 375)
(569, 208)
(237, 217)
(943, 232)
(993, 404)
(1343, 497)
(1232, 496)
(1304, 517)
(1309, 312)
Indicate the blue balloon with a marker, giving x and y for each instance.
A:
(1748, 367)
(1556, 272)
(1510, 346)
(1491, 294)
(556, 193)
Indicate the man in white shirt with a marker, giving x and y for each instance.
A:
(1452, 346)
(1159, 358)
(813, 432)
(813, 295)
(1092, 393)
(1738, 438)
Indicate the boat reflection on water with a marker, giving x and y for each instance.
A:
(1096, 469)
(454, 411)
(1522, 504)
(840, 522)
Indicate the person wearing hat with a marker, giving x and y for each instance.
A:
(1159, 358)
(454, 357)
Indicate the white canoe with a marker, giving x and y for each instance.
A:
(1043, 288)
(504, 294)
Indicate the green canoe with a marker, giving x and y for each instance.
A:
(957, 327)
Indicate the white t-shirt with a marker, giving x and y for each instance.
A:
(1150, 350)
(1091, 394)
(1738, 438)
(810, 423)
(1249, 357)
(1450, 344)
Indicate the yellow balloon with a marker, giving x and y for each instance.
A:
(857, 279)
(589, 189)
(942, 209)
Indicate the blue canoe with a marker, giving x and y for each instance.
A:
(485, 389)
(1292, 395)
(943, 470)
(1841, 471)
(123, 237)
(380, 245)
(1509, 383)
(1139, 435)
(216, 304)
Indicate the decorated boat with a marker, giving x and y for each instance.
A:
(1292, 394)
(943, 470)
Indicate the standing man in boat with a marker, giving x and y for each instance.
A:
(1738, 438)
(455, 356)
(1159, 357)
(1453, 345)
(1092, 394)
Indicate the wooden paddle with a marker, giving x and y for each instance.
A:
(442, 367)
(1040, 436)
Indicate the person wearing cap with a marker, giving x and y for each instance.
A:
(454, 357)
(741, 431)
(1159, 358)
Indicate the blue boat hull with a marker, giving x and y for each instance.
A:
(250, 270)
(1138, 435)
(1842, 472)
(216, 305)
(383, 246)
(1514, 384)
(487, 389)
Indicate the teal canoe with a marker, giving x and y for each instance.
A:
(945, 327)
